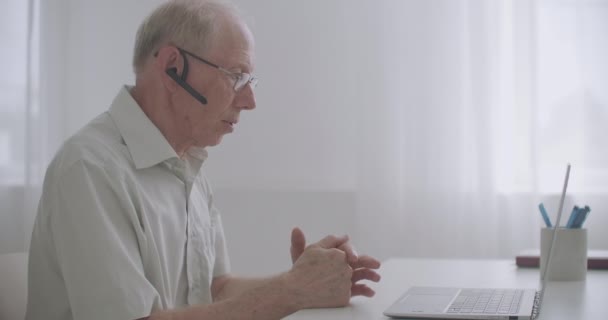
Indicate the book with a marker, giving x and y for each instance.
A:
(530, 258)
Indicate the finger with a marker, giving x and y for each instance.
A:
(361, 290)
(351, 253)
(298, 243)
(365, 274)
(366, 261)
(331, 242)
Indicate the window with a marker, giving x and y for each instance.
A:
(552, 100)
(572, 86)
(18, 89)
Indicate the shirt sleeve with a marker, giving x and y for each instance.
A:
(222, 261)
(95, 232)
(221, 265)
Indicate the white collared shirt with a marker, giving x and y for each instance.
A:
(124, 226)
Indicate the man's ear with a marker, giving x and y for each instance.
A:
(169, 64)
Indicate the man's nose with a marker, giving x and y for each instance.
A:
(245, 98)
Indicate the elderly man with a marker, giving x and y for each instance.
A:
(127, 227)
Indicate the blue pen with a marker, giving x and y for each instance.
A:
(587, 211)
(573, 215)
(577, 217)
(544, 214)
(580, 218)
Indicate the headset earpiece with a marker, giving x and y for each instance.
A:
(172, 72)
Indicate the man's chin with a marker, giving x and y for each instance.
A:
(216, 141)
(209, 141)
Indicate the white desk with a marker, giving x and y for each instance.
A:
(563, 300)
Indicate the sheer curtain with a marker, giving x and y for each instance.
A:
(20, 122)
(477, 106)
(30, 110)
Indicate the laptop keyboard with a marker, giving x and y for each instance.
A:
(487, 301)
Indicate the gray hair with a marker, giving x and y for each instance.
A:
(191, 24)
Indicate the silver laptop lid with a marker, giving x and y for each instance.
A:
(545, 269)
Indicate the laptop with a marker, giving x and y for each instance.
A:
(477, 303)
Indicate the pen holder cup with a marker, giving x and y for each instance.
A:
(569, 260)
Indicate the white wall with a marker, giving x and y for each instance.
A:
(258, 223)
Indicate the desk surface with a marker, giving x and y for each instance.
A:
(563, 300)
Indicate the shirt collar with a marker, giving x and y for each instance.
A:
(145, 142)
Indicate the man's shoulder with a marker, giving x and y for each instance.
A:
(98, 144)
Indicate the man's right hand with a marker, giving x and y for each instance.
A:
(321, 276)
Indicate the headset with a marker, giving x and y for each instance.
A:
(181, 81)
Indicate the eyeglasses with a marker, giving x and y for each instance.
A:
(241, 79)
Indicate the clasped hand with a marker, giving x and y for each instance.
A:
(328, 272)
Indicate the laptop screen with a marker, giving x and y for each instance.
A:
(547, 266)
